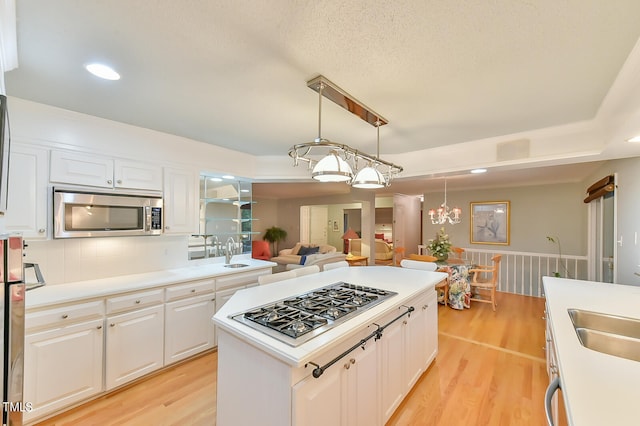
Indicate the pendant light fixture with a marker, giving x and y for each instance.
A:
(331, 168)
(445, 215)
(340, 162)
(369, 177)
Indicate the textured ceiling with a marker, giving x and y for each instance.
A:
(233, 73)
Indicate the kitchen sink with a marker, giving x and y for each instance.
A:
(235, 265)
(609, 334)
(624, 326)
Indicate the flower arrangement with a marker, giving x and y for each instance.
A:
(440, 245)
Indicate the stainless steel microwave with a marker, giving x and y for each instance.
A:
(78, 214)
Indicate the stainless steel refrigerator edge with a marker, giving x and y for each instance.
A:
(12, 316)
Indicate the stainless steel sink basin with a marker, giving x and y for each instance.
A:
(235, 265)
(624, 326)
(609, 334)
(608, 343)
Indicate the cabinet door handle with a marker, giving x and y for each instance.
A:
(109, 181)
(137, 302)
(404, 322)
(119, 181)
(65, 316)
(41, 231)
(425, 307)
(112, 325)
(99, 327)
(553, 387)
(193, 290)
(352, 361)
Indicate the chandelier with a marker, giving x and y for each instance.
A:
(341, 163)
(443, 213)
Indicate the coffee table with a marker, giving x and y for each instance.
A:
(357, 260)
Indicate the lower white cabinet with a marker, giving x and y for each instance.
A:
(189, 329)
(367, 386)
(349, 388)
(63, 365)
(134, 345)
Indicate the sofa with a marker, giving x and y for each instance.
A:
(308, 254)
(383, 250)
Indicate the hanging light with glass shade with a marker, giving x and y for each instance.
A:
(369, 177)
(340, 162)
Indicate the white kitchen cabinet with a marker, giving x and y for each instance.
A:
(319, 401)
(63, 356)
(27, 197)
(134, 345)
(79, 168)
(349, 388)
(361, 381)
(189, 329)
(180, 201)
(393, 377)
(408, 347)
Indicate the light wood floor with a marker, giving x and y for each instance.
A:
(490, 370)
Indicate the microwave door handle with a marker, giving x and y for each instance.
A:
(147, 222)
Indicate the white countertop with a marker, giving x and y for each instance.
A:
(406, 282)
(80, 290)
(598, 389)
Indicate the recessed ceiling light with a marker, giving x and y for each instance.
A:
(477, 171)
(103, 71)
(634, 139)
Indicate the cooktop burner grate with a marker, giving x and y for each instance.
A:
(298, 319)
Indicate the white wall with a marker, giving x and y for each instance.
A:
(536, 211)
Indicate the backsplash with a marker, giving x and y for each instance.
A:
(81, 259)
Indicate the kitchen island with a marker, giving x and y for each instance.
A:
(597, 388)
(356, 372)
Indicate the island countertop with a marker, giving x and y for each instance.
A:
(597, 388)
(406, 282)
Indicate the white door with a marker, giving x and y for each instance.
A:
(318, 225)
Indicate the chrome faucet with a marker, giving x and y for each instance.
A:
(230, 248)
(215, 242)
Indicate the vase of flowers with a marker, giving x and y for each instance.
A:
(440, 246)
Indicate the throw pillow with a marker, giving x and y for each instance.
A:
(308, 250)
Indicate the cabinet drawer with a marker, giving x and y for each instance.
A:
(240, 279)
(193, 288)
(133, 301)
(60, 316)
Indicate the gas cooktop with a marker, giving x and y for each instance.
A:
(298, 319)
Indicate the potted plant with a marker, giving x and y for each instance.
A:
(440, 246)
(274, 235)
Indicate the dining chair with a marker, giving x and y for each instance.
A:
(428, 266)
(422, 257)
(418, 264)
(279, 276)
(335, 265)
(398, 255)
(306, 270)
(485, 278)
(457, 255)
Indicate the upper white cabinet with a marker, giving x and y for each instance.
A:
(180, 204)
(105, 172)
(27, 202)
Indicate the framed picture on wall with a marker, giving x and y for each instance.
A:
(490, 222)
